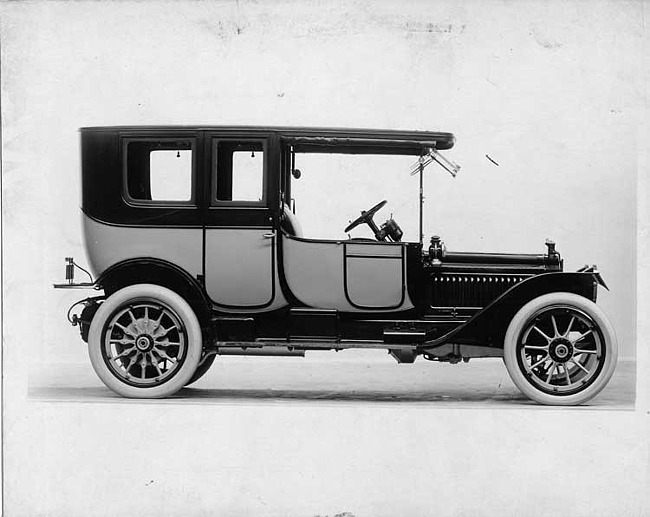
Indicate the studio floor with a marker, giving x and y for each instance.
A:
(352, 434)
(345, 377)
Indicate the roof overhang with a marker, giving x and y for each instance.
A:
(316, 139)
(351, 145)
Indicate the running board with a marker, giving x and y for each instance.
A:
(307, 345)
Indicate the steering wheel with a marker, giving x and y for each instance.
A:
(366, 217)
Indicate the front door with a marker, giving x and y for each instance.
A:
(346, 275)
(240, 242)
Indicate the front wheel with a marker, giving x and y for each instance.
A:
(560, 349)
(202, 369)
(145, 342)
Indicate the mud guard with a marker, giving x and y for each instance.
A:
(160, 272)
(488, 326)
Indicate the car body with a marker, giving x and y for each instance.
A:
(191, 234)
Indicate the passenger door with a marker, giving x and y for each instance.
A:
(375, 275)
(240, 241)
(348, 276)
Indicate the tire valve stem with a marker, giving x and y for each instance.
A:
(69, 270)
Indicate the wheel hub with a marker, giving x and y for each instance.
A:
(560, 350)
(144, 343)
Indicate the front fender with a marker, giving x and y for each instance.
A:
(488, 326)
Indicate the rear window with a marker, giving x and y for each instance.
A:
(159, 170)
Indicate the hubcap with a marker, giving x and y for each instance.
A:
(560, 350)
(144, 343)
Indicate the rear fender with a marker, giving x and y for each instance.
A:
(159, 272)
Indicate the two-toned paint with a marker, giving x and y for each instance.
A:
(231, 248)
(250, 260)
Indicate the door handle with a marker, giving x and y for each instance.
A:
(268, 235)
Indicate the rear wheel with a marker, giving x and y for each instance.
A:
(560, 349)
(145, 342)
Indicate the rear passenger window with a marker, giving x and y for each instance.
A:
(239, 170)
(159, 170)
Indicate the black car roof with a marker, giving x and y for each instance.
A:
(310, 137)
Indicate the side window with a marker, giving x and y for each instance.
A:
(239, 168)
(159, 170)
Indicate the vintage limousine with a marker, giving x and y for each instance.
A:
(191, 235)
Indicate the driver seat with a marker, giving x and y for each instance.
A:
(289, 222)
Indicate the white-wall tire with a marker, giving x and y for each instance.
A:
(145, 342)
(201, 370)
(549, 358)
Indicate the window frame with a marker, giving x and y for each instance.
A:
(214, 200)
(129, 200)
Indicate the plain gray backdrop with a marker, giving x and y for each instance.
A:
(554, 92)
